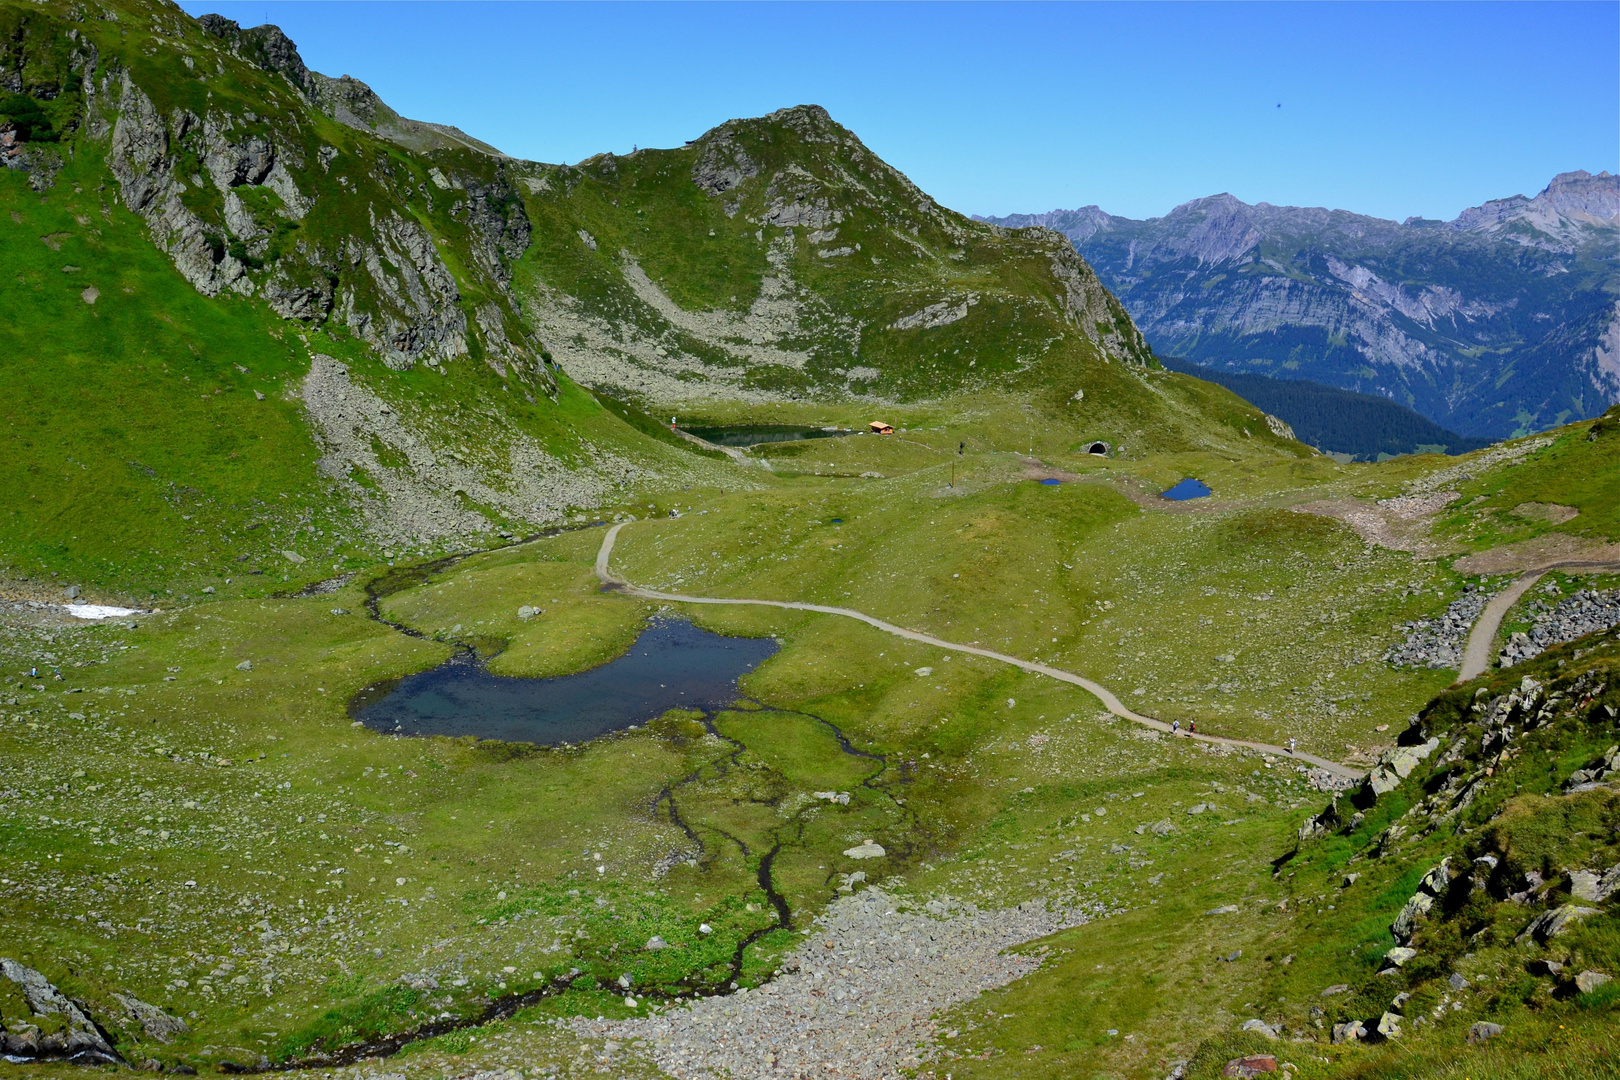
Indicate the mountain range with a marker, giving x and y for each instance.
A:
(1503, 321)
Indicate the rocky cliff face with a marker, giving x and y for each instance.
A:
(1503, 321)
(215, 137)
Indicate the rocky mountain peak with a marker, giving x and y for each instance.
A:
(346, 99)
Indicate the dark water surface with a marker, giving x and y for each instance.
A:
(754, 434)
(1188, 489)
(673, 664)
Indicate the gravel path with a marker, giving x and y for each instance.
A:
(1482, 640)
(857, 997)
(1101, 693)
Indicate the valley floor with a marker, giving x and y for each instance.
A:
(891, 856)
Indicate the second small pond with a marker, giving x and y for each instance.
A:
(672, 665)
(1188, 489)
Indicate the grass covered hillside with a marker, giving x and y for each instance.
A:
(779, 258)
(248, 342)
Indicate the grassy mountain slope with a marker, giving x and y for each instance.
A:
(192, 234)
(778, 258)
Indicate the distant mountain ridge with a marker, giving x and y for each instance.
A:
(1501, 321)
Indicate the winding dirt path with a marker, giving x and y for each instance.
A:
(612, 581)
(1478, 653)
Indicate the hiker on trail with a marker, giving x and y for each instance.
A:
(1175, 727)
(1290, 746)
(1192, 727)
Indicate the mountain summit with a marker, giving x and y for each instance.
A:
(1502, 321)
(779, 257)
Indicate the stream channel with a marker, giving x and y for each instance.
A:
(699, 670)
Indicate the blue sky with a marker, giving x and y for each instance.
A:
(1386, 108)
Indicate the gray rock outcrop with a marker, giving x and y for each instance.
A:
(45, 1023)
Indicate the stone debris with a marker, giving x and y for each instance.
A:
(1483, 1030)
(1438, 642)
(865, 850)
(857, 997)
(1350, 1031)
(1586, 612)
(1250, 1066)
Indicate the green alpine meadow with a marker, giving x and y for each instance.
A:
(716, 612)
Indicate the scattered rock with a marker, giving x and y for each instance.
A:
(1549, 924)
(1336, 988)
(655, 943)
(1482, 1030)
(839, 797)
(1457, 982)
(90, 295)
(1252, 1065)
(246, 665)
(1399, 955)
(1588, 981)
(1227, 909)
(1199, 808)
(292, 557)
(1586, 612)
(154, 1021)
(865, 850)
(1350, 1031)
(1389, 1025)
(527, 612)
(1261, 1026)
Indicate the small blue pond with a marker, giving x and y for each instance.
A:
(673, 664)
(1188, 489)
(1051, 481)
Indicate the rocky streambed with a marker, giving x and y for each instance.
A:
(858, 996)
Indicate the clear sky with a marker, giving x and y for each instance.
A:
(1382, 108)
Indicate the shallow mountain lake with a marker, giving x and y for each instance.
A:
(754, 434)
(672, 664)
(1188, 489)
